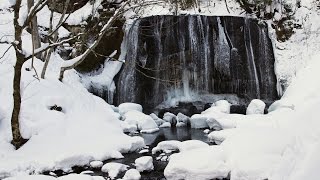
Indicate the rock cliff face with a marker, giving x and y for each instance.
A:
(193, 58)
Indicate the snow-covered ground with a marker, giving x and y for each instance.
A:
(280, 145)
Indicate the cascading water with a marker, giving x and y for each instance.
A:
(194, 58)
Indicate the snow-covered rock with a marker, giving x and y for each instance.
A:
(191, 144)
(170, 145)
(143, 122)
(169, 117)
(165, 125)
(128, 128)
(206, 131)
(144, 163)
(223, 105)
(183, 118)
(132, 174)
(201, 163)
(125, 107)
(96, 164)
(173, 145)
(158, 120)
(256, 106)
(198, 121)
(113, 169)
(180, 124)
(219, 136)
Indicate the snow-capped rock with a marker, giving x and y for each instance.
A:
(223, 105)
(165, 125)
(143, 122)
(96, 164)
(144, 163)
(256, 106)
(132, 174)
(198, 121)
(113, 169)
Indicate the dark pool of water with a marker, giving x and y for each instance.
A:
(151, 140)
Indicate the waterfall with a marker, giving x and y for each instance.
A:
(195, 58)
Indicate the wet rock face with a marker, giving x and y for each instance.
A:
(186, 57)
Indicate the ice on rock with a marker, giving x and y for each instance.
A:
(198, 121)
(223, 105)
(132, 174)
(113, 169)
(201, 163)
(96, 164)
(256, 106)
(143, 122)
(125, 107)
(144, 163)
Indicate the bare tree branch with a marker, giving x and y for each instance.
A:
(77, 60)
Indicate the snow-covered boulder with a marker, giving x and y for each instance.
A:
(256, 106)
(158, 120)
(143, 122)
(201, 163)
(191, 144)
(180, 124)
(166, 146)
(165, 125)
(219, 136)
(223, 105)
(113, 169)
(132, 174)
(183, 118)
(128, 128)
(125, 107)
(169, 117)
(144, 163)
(198, 121)
(96, 164)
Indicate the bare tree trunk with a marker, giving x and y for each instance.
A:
(17, 139)
(34, 29)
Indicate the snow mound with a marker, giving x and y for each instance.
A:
(144, 163)
(126, 107)
(256, 106)
(201, 163)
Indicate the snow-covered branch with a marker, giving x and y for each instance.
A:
(33, 11)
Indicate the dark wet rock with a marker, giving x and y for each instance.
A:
(238, 109)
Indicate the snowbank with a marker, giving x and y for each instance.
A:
(201, 163)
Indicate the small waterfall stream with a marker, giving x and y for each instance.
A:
(196, 58)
